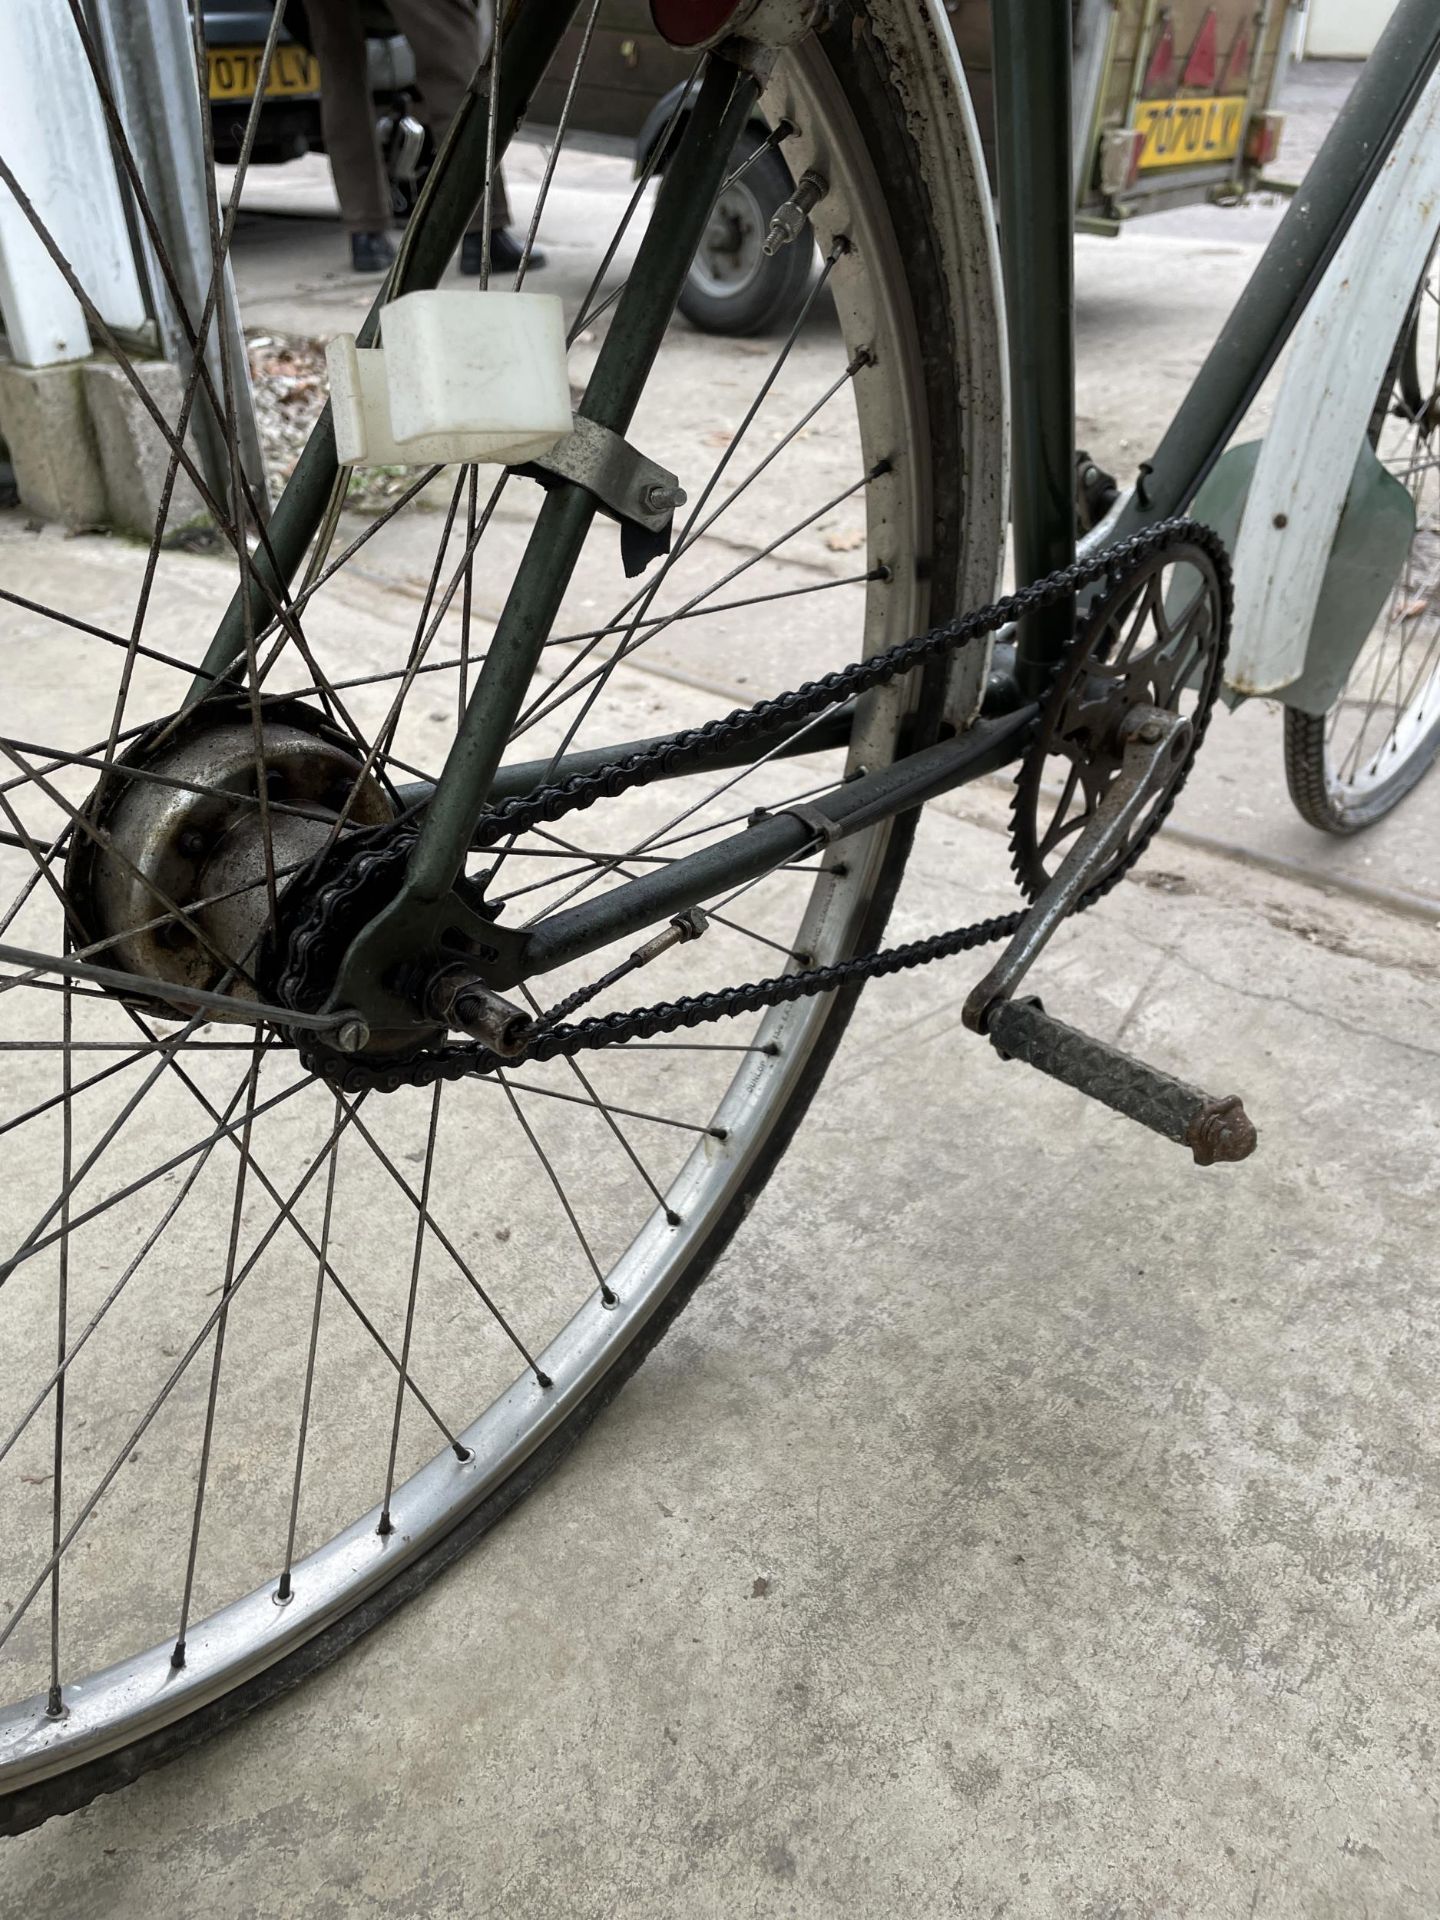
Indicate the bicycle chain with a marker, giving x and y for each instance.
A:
(368, 866)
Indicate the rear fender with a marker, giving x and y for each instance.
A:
(1338, 359)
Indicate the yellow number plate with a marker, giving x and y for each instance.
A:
(1190, 133)
(235, 72)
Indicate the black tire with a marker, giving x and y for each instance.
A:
(1312, 792)
(738, 290)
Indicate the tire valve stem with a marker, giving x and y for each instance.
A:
(789, 220)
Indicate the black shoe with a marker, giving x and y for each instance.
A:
(505, 253)
(371, 252)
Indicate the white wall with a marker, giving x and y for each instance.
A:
(1345, 29)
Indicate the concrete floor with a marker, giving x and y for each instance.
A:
(1020, 1521)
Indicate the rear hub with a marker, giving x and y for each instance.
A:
(178, 887)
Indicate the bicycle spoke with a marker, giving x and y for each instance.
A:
(282, 1591)
(551, 159)
(38, 1240)
(487, 203)
(33, 1243)
(422, 1215)
(450, 1248)
(630, 1113)
(584, 317)
(689, 533)
(608, 1112)
(544, 706)
(178, 1372)
(136, 1262)
(303, 1235)
(54, 1705)
(92, 632)
(607, 1296)
(177, 1657)
(632, 638)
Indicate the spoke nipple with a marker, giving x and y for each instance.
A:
(55, 1707)
(283, 1593)
(673, 1219)
(543, 1380)
(351, 1035)
(463, 1454)
(386, 1526)
(718, 1133)
(177, 1658)
(608, 1299)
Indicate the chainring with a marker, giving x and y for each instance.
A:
(1156, 637)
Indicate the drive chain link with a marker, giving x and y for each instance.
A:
(368, 866)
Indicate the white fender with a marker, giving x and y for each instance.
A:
(1338, 357)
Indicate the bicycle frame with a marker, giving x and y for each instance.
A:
(1032, 48)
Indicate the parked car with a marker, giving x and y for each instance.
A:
(1172, 106)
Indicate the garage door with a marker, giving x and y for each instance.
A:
(1345, 29)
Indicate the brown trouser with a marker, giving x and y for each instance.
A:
(448, 38)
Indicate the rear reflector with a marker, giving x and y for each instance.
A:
(1120, 151)
(1200, 68)
(693, 23)
(1262, 142)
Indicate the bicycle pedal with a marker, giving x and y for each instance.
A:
(1214, 1129)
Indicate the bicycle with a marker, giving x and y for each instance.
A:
(263, 842)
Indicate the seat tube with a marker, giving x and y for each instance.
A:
(1032, 65)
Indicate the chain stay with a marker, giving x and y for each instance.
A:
(366, 868)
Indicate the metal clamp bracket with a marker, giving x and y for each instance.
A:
(820, 824)
(627, 486)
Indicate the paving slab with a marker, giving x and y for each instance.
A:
(1020, 1520)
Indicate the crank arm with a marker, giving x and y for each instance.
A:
(1215, 1129)
(1155, 741)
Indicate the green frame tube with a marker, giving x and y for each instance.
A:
(692, 179)
(446, 205)
(1032, 50)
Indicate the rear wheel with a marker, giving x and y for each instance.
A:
(274, 1354)
(1347, 768)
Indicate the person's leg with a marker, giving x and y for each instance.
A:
(347, 118)
(449, 38)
